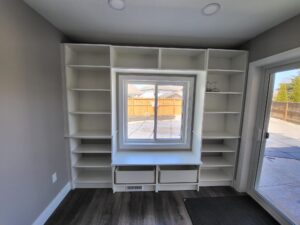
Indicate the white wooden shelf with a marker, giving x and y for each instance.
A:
(135, 184)
(218, 135)
(90, 113)
(140, 158)
(217, 148)
(93, 162)
(91, 134)
(224, 92)
(221, 112)
(93, 176)
(214, 175)
(177, 184)
(224, 72)
(211, 161)
(93, 148)
(78, 66)
(89, 89)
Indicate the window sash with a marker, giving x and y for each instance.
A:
(155, 116)
(187, 101)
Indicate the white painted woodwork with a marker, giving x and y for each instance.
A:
(135, 175)
(91, 92)
(178, 174)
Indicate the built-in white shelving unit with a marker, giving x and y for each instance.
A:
(90, 97)
(226, 71)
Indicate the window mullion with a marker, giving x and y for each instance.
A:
(155, 111)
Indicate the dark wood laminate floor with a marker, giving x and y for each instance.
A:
(102, 207)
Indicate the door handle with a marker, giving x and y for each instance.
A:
(267, 135)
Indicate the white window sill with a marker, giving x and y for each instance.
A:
(136, 158)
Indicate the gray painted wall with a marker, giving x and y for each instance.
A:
(281, 38)
(31, 118)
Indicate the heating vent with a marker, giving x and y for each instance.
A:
(134, 188)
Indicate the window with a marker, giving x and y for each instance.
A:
(155, 112)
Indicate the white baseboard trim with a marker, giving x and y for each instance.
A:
(43, 217)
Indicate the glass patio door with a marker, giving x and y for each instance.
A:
(277, 179)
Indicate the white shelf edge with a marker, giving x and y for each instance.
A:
(91, 152)
(176, 184)
(221, 112)
(225, 71)
(92, 167)
(91, 135)
(218, 150)
(219, 135)
(133, 184)
(90, 89)
(89, 113)
(224, 92)
(87, 66)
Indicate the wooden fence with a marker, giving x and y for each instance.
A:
(289, 111)
(140, 107)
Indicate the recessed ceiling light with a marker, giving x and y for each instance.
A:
(211, 9)
(117, 4)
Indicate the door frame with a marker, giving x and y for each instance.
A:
(261, 127)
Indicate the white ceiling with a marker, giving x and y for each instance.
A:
(165, 22)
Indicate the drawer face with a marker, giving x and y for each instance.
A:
(135, 177)
(178, 176)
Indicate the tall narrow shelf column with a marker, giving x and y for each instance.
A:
(88, 97)
(226, 71)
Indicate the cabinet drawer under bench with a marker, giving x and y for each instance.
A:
(135, 175)
(178, 174)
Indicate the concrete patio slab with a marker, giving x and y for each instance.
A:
(280, 176)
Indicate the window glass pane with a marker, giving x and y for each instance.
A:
(141, 102)
(169, 112)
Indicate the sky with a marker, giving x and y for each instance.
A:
(285, 77)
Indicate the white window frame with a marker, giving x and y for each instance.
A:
(156, 143)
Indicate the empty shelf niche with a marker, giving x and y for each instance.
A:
(178, 174)
(233, 60)
(221, 124)
(135, 175)
(90, 126)
(87, 55)
(89, 102)
(93, 161)
(216, 160)
(88, 79)
(223, 103)
(225, 83)
(93, 175)
(216, 174)
(223, 145)
(185, 59)
(135, 57)
(93, 146)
